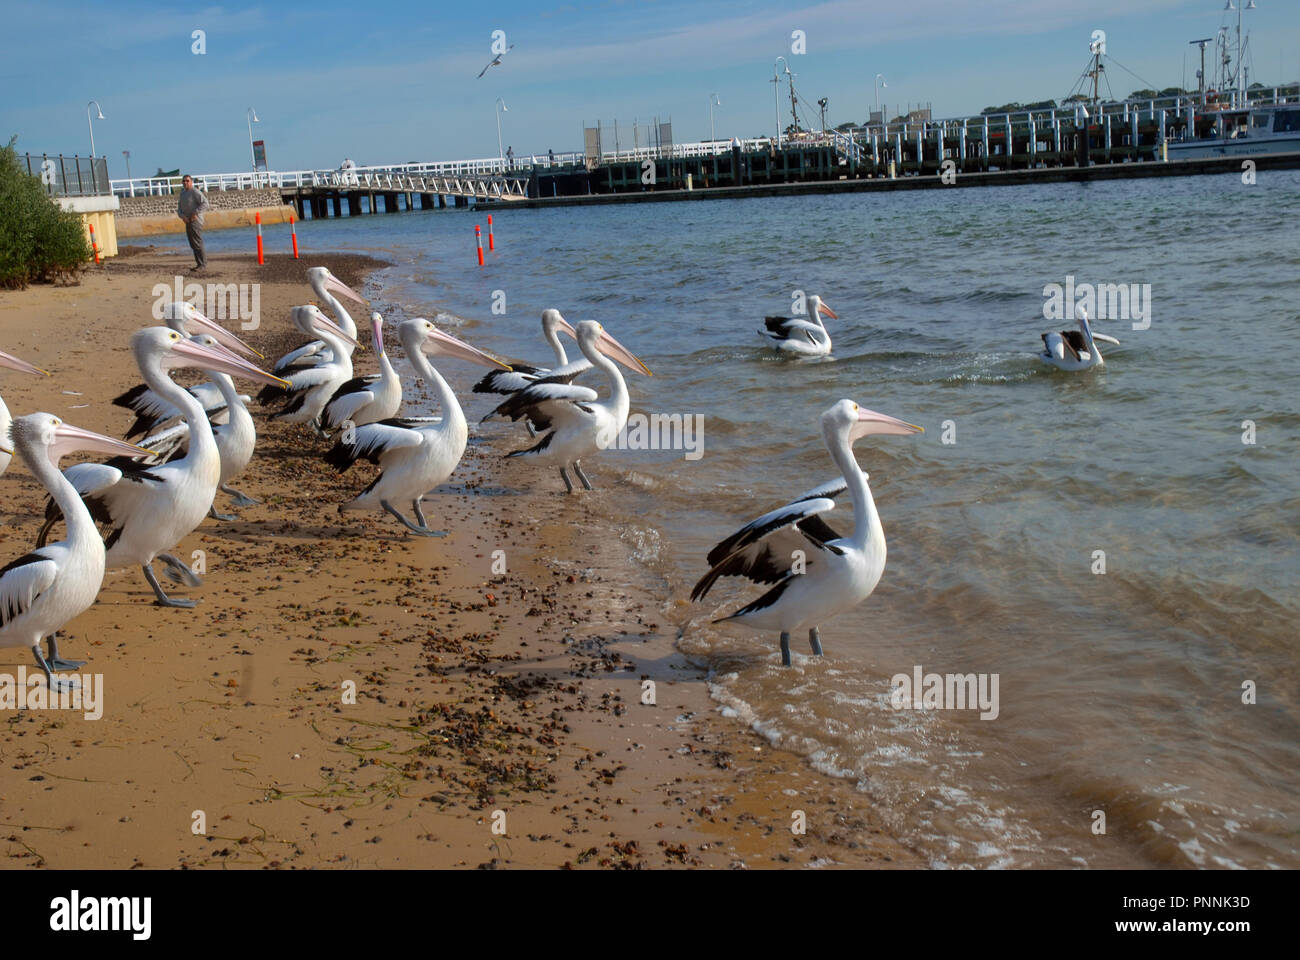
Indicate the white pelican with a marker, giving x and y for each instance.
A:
(310, 385)
(818, 574)
(522, 375)
(582, 424)
(799, 337)
(151, 507)
(13, 363)
(414, 456)
(370, 398)
(151, 411)
(1075, 349)
(232, 429)
(325, 284)
(42, 591)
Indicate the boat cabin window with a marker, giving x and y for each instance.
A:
(1286, 121)
(1259, 120)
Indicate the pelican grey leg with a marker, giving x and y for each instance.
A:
(422, 530)
(164, 600)
(241, 499)
(815, 641)
(226, 517)
(178, 572)
(59, 685)
(315, 425)
(577, 468)
(529, 425)
(568, 484)
(57, 662)
(785, 649)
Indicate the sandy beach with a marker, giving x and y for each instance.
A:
(482, 700)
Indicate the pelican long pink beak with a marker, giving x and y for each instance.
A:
(321, 322)
(871, 422)
(616, 351)
(196, 323)
(69, 439)
(825, 308)
(190, 353)
(448, 345)
(335, 285)
(22, 366)
(377, 333)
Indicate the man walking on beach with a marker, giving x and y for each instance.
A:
(190, 208)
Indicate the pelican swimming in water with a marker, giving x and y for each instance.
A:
(798, 337)
(149, 508)
(310, 385)
(817, 573)
(1075, 349)
(414, 456)
(579, 423)
(232, 429)
(370, 398)
(42, 591)
(325, 285)
(22, 366)
(152, 411)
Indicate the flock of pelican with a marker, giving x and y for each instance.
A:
(194, 441)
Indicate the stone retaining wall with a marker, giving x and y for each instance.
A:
(217, 200)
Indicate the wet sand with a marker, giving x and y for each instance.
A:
(479, 696)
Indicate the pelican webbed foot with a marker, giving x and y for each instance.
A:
(179, 572)
(59, 685)
(422, 530)
(55, 661)
(224, 517)
(238, 497)
(164, 600)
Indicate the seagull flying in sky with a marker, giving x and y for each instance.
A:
(495, 62)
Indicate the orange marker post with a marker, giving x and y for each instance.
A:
(478, 240)
(260, 259)
(492, 245)
(93, 244)
(294, 230)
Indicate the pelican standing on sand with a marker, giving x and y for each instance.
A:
(578, 422)
(817, 573)
(22, 366)
(232, 429)
(151, 507)
(798, 337)
(42, 591)
(1075, 349)
(522, 375)
(369, 398)
(310, 385)
(152, 411)
(414, 456)
(325, 285)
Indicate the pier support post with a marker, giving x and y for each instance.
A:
(1107, 127)
(986, 144)
(1133, 134)
(338, 204)
(961, 147)
(1033, 142)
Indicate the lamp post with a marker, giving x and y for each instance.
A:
(500, 108)
(126, 155)
(99, 115)
(776, 91)
(713, 102)
(251, 117)
(880, 82)
(822, 103)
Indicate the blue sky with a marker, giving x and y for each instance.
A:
(396, 81)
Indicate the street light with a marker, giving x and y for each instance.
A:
(251, 117)
(713, 101)
(776, 92)
(99, 116)
(822, 103)
(880, 82)
(126, 155)
(501, 154)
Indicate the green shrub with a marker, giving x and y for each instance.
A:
(39, 241)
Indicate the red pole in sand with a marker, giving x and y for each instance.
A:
(294, 231)
(478, 239)
(93, 245)
(258, 218)
(491, 242)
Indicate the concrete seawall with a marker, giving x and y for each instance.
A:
(148, 216)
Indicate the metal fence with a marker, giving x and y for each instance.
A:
(69, 176)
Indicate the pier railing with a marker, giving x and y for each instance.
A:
(68, 176)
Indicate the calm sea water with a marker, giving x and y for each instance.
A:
(1121, 693)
